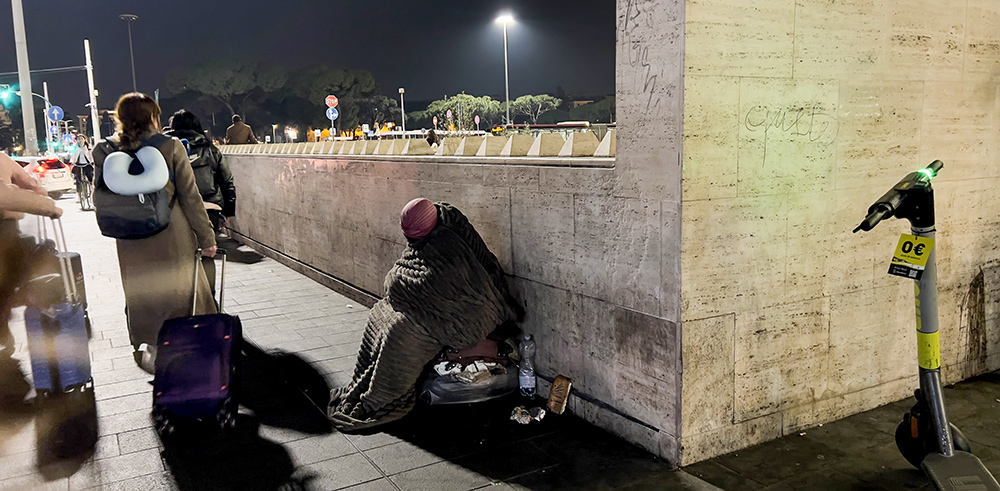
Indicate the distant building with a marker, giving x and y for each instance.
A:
(576, 104)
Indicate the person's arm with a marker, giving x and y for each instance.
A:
(20, 178)
(20, 200)
(253, 139)
(187, 195)
(225, 183)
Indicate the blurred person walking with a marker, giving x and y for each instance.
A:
(211, 174)
(19, 194)
(156, 271)
(239, 133)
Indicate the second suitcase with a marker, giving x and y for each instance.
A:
(197, 367)
(57, 331)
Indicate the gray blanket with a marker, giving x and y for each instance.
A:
(447, 290)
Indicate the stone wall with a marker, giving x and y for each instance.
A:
(593, 251)
(797, 115)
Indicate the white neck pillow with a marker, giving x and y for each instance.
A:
(153, 178)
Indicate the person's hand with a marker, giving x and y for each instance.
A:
(36, 187)
(209, 252)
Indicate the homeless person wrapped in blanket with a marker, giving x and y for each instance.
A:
(446, 291)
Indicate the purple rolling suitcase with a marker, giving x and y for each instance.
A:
(197, 367)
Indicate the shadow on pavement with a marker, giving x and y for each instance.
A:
(244, 255)
(66, 431)
(238, 459)
(285, 391)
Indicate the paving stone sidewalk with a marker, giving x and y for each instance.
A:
(281, 443)
(453, 448)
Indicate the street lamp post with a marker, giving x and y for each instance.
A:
(24, 79)
(128, 18)
(402, 110)
(274, 133)
(506, 19)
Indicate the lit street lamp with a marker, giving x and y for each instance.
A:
(506, 19)
(128, 18)
(274, 133)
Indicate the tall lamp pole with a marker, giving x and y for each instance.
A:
(24, 78)
(95, 117)
(128, 18)
(402, 110)
(506, 19)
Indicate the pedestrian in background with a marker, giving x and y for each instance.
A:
(19, 194)
(157, 271)
(211, 174)
(239, 133)
(83, 164)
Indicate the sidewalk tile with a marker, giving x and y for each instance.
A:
(340, 472)
(401, 457)
(442, 476)
(319, 448)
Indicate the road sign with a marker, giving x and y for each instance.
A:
(318, 134)
(68, 139)
(54, 130)
(477, 119)
(332, 101)
(449, 114)
(55, 113)
(332, 114)
(435, 120)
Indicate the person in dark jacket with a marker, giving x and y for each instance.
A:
(211, 173)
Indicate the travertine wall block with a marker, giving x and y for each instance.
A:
(607, 147)
(417, 146)
(797, 116)
(580, 144)
(546, 145)
(491, 146)
(517, 146)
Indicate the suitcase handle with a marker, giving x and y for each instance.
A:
(194, 283)
(65, 264)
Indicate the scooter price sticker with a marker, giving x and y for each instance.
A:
(911, 256)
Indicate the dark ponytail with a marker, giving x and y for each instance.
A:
(137, 116)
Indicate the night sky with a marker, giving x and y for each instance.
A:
(430, 48)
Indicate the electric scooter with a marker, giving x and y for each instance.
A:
(925, 437)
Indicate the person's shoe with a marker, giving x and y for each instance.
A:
(145, 358)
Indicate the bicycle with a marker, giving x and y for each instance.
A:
(85, 189)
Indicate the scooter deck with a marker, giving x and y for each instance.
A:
(960, 472)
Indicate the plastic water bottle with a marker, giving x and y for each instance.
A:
(526, 375)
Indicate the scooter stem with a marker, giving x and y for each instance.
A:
(929, 346)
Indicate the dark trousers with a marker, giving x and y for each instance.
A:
(214, 216)
(78, 172)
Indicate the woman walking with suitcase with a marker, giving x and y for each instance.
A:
(157, 270)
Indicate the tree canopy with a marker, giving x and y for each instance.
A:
(533, 106)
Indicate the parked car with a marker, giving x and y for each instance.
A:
(51, 172)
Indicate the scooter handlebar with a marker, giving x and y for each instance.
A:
(881, 212)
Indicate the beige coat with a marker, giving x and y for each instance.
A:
(158, 271)
(239, 134)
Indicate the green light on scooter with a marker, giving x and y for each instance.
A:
(927, 172)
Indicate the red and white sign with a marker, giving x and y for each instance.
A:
(435, 120)
(477, 119)
(332, 101)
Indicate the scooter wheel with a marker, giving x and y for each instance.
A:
(914, 450)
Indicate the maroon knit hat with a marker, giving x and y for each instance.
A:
(418, 218)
